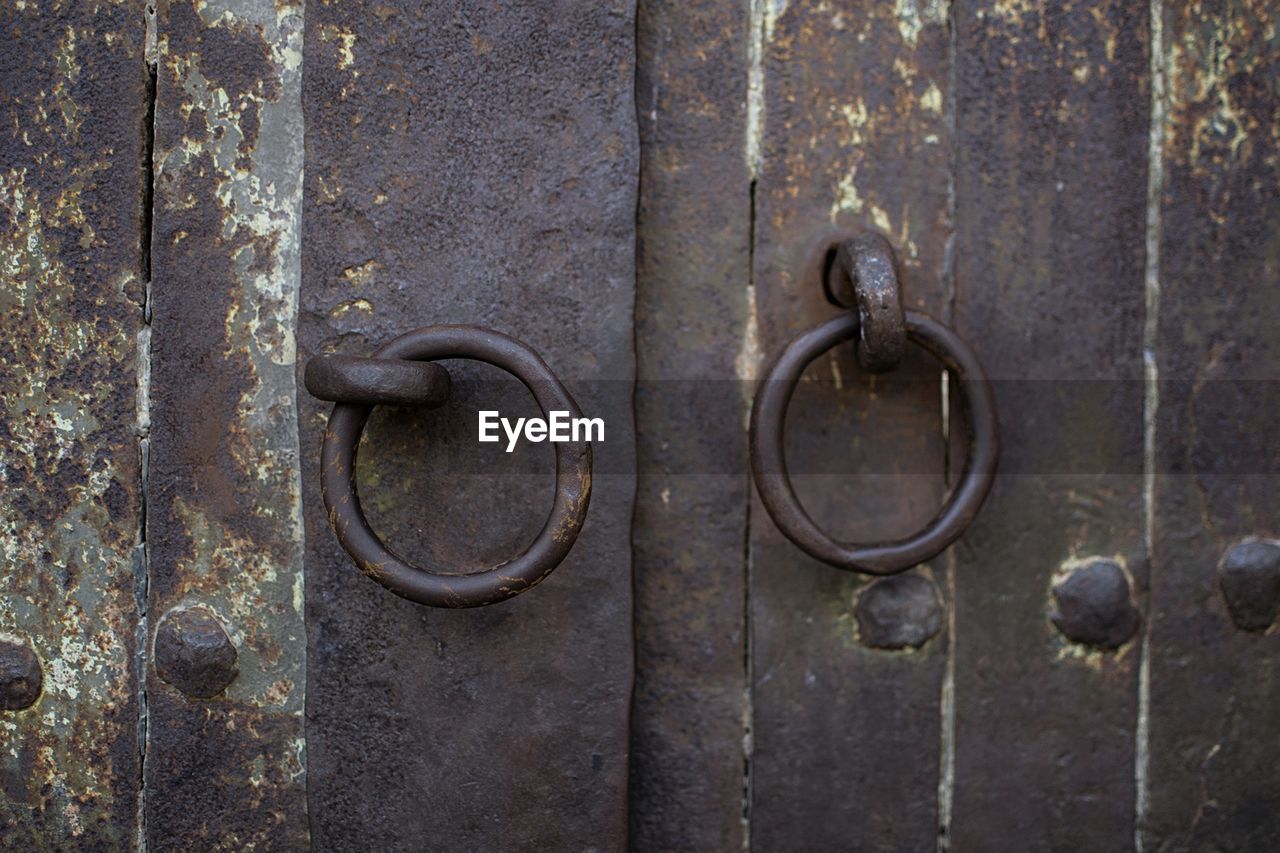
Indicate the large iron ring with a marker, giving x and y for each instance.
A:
(769, 466)
(443, 588)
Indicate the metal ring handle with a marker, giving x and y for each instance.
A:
(769, 466)
(449, 589)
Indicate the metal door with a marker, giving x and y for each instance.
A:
(200, 198)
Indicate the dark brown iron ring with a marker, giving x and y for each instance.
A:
(446, 589)
(769, 467)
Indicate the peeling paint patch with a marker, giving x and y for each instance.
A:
(1212, 109)
(362, 274)
(345, 40)
(750, 356)
(914, 15)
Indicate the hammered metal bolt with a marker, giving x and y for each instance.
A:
(20, 676)
(1250, 580)
(194, 653)
(898, 612)
(1094, 606)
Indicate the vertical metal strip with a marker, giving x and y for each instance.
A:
(853, 136)
(472, 163)
(224, 508)
(691, 309)
(1214, 649)
(1051, 136)
(72, 189)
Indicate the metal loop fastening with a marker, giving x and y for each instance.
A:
(443, 588)
(377, 381)
(862, 275)
(769, 466)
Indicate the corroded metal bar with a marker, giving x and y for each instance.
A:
(693, 235)
(224, 517)
(471, 163)
(72, 288)
(1214, 704)
(853, 137)
(1051, 124)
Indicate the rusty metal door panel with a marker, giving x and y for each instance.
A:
(649, 197)
(1052, 127)
(72, 282)
(1214, 700)
(471, 163)
(224, 604)
(849, 134)
(693, 272)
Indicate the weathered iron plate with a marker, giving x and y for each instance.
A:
(850, 133)
(1051, 139)
(73, 103)
(693, 232)
(224, 508)
(1215, 687)
(471, 163)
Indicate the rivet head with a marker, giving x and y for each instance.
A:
(1094, 606)
(1249, 577)
(20, 676)
(898, 612)
(194, 653)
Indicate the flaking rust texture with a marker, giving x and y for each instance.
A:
(1052, 126)
(224, 519)
(72, 142)
(1215, 693)
(853, 137)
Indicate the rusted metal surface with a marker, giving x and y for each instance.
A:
(72, 276)
(861, 276)
(769, 467)
(376, 381)
(1249, 578)
(21, 676)
(693, 234)
(471, 164)
(1214, 696)
(1051, 140)
(850, 133)
(193, 653)
(223, 519)
(1094, 606)
(898, 612)
(448, 587)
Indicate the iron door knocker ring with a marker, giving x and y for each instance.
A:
(773, 394)
(397, 374)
